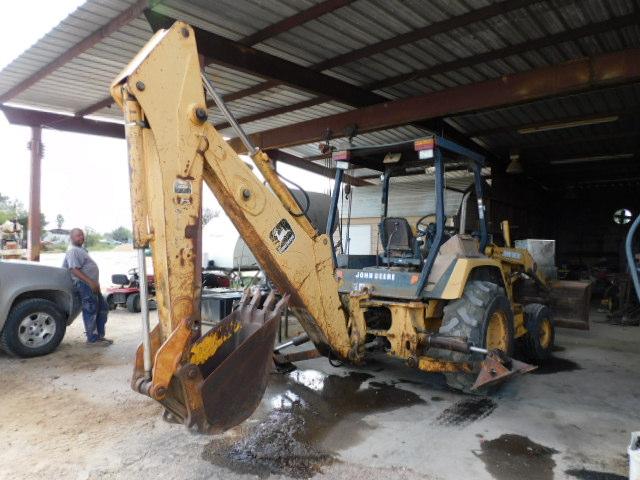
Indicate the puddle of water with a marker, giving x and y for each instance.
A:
(435, 398)
(514, 456)
(583, 474)
(313, 416)
(466, 411)
(555, 365)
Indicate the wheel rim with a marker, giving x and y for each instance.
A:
(498, 332)
(36, 329)
(545, 333)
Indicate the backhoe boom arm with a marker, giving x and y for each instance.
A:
(172, 149)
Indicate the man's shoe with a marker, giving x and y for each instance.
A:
(97, 343)
(106, 341)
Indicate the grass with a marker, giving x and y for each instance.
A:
(101, 247)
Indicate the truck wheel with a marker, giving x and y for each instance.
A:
(110, 302)
(34, 327)
(537, 343)
(483, 315)
(133, 303)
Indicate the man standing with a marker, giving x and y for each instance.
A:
(86, 281)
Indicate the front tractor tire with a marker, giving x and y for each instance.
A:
(34, 327)
(483, 315)
(537, 343)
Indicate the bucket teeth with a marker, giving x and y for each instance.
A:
(235, 376)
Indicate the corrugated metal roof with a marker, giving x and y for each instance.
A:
(84, 80)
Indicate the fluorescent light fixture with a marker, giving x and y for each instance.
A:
(594, 158)
(561, 125)
(225, 138)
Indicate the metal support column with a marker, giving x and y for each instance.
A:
(34, 227)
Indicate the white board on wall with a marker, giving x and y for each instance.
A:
(359, 239)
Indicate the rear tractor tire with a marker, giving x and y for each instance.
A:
(483, 315)
(109, 299)
(537, 343)
(133, 303)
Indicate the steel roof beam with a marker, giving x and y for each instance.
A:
(301, 162)
(575, 76)
(270, 31)
(114, 25)
(517, 49)
(296, 20)
(56, 121)
(67, 123)
(447, 67)
(436, 28)
(227, 52)
(221, 50)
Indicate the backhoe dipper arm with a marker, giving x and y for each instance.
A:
(171, 149)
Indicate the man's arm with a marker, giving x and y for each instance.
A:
(95, 286)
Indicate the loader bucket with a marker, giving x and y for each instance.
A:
(569, 302)
(235, 360)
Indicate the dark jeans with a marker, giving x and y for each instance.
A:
(94, 311)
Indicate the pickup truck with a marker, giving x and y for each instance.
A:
(37, 303)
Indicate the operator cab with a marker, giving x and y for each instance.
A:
(408, 250)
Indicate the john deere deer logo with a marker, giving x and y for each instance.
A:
(282, 236)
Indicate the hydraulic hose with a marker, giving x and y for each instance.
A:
(631, 261)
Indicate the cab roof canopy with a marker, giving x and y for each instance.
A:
(406, 155)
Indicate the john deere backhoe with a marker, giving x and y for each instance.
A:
(441, 302)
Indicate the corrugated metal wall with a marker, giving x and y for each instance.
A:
(415, 198)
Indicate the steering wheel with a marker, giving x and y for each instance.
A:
(421, 227)
(429, 229)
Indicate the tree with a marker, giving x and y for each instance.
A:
(121, 234)
(91, 237)
(10, 209)
(23, 219)
(59, 220)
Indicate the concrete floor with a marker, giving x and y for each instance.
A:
(72, 415)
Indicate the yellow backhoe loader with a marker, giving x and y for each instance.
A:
(439, 300)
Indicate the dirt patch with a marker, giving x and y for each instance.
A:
(514, 456)
(466, 411)
(313, 417)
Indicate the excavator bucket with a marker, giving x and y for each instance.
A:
(235, 360)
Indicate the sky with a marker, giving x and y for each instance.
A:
(84, 177)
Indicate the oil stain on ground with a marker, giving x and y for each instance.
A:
(555, 365)
(514, 456)
(313, 417)
(583, 474)
(466, 411)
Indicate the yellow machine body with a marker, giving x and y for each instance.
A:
(172, 150)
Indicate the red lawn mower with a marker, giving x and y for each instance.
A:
(127, 292)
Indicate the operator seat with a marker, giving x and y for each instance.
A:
(398, 242)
